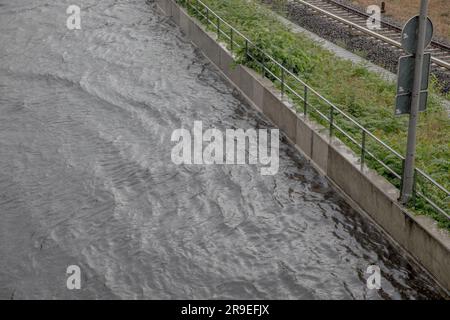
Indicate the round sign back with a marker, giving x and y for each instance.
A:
(410, 34)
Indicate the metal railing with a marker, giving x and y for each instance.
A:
(372, 151)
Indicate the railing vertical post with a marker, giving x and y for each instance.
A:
(363, 149)
(402, 175)
(231, 39)
(246, 49)
(207, 16)
(282, 81)
(305, 101)
(414, 191)
(331, 120)
(263, 68)
(218, 28)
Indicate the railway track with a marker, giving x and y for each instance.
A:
(388, 35)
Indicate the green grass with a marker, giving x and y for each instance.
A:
(364, 95)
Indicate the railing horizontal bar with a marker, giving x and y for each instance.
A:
(434, 205)
(347, 135)
(320, 113)
(426, 176)
(384, 165)
(293, 92)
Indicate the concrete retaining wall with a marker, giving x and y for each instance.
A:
(365, 190)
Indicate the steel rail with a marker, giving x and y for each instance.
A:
(374, 34)
(385, 23)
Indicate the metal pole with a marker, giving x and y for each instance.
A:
(409, 168)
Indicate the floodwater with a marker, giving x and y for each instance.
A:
(86, 176)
